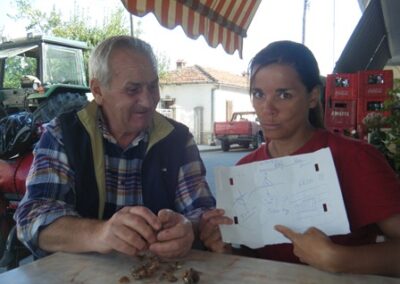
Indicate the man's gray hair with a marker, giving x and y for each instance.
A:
(99, 59)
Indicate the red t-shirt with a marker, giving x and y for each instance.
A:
(370, 188)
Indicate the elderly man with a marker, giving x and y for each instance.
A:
(116, 175)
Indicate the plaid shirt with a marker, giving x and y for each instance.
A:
(50, 183)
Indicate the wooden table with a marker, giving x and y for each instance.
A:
(213, 268)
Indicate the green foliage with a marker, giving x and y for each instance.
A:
(39, 21)
(15, 68)
(77, 28)
(163, 64)
(393, 120)
(385, 131)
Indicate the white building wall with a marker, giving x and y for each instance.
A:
(240, 102)
(188, 97)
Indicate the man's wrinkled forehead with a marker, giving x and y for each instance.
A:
(135, 51)
(124, 59)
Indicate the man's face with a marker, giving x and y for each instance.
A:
(129, 102)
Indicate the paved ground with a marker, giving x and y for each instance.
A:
(208, 148)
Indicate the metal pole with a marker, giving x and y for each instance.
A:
(334, 33)
(303, 36)
(131, 20)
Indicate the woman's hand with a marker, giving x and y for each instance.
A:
(210, 234)
(312, 247)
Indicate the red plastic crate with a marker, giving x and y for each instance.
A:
(369, 105)
(341, 86)
(339, 114)
(374, 83)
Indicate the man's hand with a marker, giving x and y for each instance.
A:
(129, 231)
(176, 236)
(312, 247)
(210, 234)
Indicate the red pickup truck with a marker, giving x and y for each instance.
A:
(243, 129)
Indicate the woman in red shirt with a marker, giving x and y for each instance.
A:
(285, 92)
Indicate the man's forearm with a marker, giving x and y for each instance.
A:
(71, 234)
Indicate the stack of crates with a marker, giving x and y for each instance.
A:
(350, 97)
(373, 89)
(341, 95)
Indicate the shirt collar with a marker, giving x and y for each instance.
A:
(144, 135)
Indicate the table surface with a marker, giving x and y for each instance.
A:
(212, 267)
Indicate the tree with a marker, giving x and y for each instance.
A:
(384, 130)
(163, 63)
(78, 26)
(17, 67)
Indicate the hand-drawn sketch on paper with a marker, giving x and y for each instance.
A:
(296, 191)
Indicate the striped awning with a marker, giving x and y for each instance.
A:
(219, 21)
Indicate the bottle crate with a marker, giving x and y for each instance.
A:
(374, 83)
(341, 113)
(341, 86)
(369, 105)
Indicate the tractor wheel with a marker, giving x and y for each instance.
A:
(3, 238)
(258, 140)
(57, 104)
(3, 112)
(245, 145)
(5, 226)
(225, 146)
(12, 251)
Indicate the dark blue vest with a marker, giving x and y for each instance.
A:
(160, 168)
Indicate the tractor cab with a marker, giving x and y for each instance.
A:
(39, 74)
(40, 78)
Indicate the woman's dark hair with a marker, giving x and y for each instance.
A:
(301, 59)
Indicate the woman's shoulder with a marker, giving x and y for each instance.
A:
(353, 151)
(342, 142)
(258, 154)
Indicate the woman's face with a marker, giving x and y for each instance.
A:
(281, 101)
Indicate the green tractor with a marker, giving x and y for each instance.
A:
(40, 78)
(43, 75)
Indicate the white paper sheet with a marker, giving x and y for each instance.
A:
(296, 191)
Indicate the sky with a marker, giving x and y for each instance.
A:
(329, 24)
